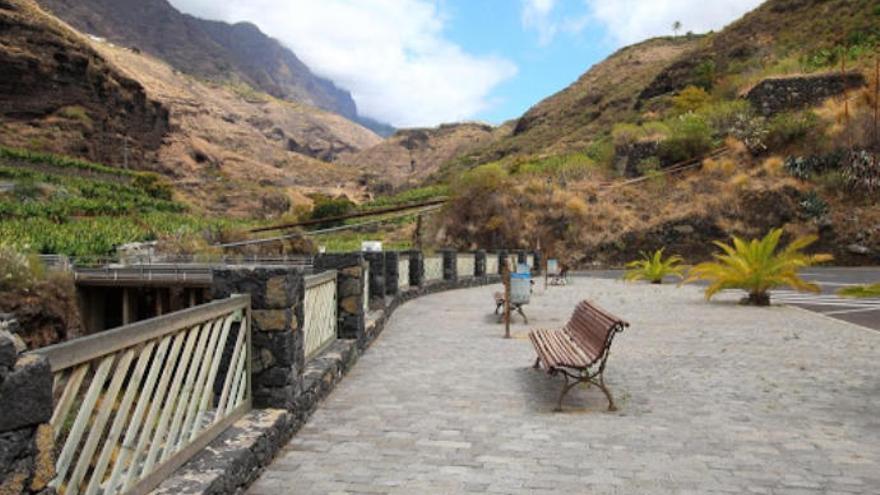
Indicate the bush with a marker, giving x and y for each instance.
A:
(625, 134)
(757, 267)
(691, 99)
(813, 205)
(786, 129)
(17, 269)
(690, 137)
(724, 116)
(154, 185)
(806, 167)
(862, 172)
(330, 207)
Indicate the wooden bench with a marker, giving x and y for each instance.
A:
(579, 350)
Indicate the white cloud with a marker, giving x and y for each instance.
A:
(536, 14)
(391, 54)
(630, 21)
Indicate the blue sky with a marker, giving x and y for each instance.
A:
(426, 62)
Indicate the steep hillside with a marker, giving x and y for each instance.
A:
(792, 144)
(411, 155)
(228, 147)
(605, 94)
(58, 94)
(228, 141)
(209, 49)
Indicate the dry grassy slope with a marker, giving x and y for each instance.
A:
(750, 47)
(606, 94)
(227, 143)
(57, 94)
(391, 162)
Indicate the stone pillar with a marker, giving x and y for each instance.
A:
(349, 292)
(450, 265)
(416, 268)
(277, 313)
(27, 445)
(538, 267)
(391, 276)
(480, 263)
(522, 257)
(377, 279)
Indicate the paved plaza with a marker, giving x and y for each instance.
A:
(713, 398)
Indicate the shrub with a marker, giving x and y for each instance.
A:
(17, 269)
(625, 134)
(813, 205)
(653, 267)
(786, 129)
(690, 137)
(861, 291)
(752, 131)
(862, 172)
(330, 207)
(154, 185)
(757, 267)
(601, 151)
(724, 116)
(691, 99)
(806, 167)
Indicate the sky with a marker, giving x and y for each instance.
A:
(425, 62)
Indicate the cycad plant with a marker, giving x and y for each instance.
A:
(757, 267)
(653, 267)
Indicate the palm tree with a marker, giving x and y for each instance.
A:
(676, 27)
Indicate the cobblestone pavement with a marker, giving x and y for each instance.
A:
(714, 398)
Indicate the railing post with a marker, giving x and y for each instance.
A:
(349, 292)
(26, 396)
(480, 263)
(377, 279)
(277, 296)
(391, 273)
(450, 265)
(416, 269)
(538, 263)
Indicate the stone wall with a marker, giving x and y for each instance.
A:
(349, 292)
(277, 312)
(27, 457)
(780, 94)
(628, 158)
(392, 278)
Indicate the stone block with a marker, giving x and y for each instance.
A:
(26, 394)
(277, 293)
(271, 320)
(352, 304)
(44, 464)
(8, 352)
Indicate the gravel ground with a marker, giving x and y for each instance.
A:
(713, 397)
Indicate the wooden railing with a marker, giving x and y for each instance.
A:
(319, 310)
(134, 403)
(433, 268)
(465, 265)
(403, 272)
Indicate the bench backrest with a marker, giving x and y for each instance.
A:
(593, 329)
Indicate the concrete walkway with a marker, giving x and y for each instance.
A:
(713, 397)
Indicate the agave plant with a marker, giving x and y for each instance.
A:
(653, 267)
(757, 267)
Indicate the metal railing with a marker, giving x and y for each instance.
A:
(465, 265)
(145, 275)
(491, 264)
(136, 402)
(319, 310)
(433, 268)
(403, 272)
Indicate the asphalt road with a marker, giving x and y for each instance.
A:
(865, 312)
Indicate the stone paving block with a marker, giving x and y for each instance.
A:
(714, 398)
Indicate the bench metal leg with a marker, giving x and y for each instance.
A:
(601, 385)
(565, 388)
(520, 311)
(537, 364)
